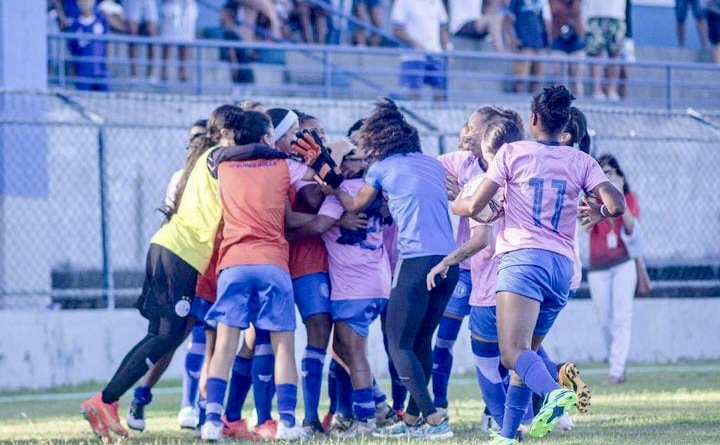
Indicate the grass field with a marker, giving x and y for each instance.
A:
(668, 404)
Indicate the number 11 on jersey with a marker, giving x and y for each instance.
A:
(538, 184)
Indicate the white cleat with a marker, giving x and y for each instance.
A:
(289, 433)
(211, 432)
(488, 424)
(188, 418)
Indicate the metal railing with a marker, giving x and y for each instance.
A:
(336, 71)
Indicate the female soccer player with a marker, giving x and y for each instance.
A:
(178, 252)
(415, 187)
(542, 182)
(254, 284)
(479, 249)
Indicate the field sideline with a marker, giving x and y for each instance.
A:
(663, 404)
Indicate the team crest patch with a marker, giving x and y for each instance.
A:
(182, 307)
(460, 290)
(324, 290)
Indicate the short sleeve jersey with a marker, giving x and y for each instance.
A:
(307, 255)
(417, 197)
(542, 184)
(422, 20)
(190, 233)
(463, 166)
(483, 268)
(254, 194)
(359, 266)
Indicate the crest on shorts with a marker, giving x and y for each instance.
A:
(324, 290)
(182, 307)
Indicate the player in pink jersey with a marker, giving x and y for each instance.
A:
(480, 249)
(542, 182)
(460, 166)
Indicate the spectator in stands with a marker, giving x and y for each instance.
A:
(369, 11)
(568, 38)
(90, 67)
(613, 274)
(528, 23)
(114, 14)
(178, 23)
(681, 13)
(478, 19)
(713, 19)
(142, 18)
(251, 13)
(423, 25)
(605, 37)
(628, 51)
(310, 15)
(238, 57)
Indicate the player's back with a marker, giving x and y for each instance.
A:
(543, 182)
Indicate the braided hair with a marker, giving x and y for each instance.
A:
(552, 107)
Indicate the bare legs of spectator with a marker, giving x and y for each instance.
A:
(716, 53)
(608, 80)
(304, 15)
(376, 20)
(183, 56)
(574, 71)
(702, 32)
(150, 31)
(493, 26)
(310, 15)
(524, 69)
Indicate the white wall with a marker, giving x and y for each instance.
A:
(43, 349)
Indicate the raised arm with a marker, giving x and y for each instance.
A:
(359, 202)
(472, 205)
(478, 241)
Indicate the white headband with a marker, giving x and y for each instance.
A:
(285, 124)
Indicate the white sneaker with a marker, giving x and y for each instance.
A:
(290, 433)
(613, 96)
(211, 431)
(488, 424)
(188, 417)
(599, 96)
(564, 423)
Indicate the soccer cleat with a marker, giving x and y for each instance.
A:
(211, 431)
(397, 429)
(569, 377)
(313, 428)
(187, 418)
(289, 433)
(267, 430)
(339, 424)
(384, 415)
(106, 413)
(440, 431)
(356, 428)
(497, 439)
(236, 429)
(136, 417)
(100, 430)
(327, 420)
(488, 424)
(555, 405)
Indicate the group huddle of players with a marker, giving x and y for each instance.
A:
(268, 216)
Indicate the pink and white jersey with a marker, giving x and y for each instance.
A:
(483, 268)
(358, 263)
(542, 184)
(464, 166)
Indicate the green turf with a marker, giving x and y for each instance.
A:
(656, 406)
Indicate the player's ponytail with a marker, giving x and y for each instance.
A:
(386, 132)
(552, 107)
(225, 116)
(577, 129)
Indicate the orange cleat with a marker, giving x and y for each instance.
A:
(237, 429)
(97, 426)
(106, 413)
(267, 430)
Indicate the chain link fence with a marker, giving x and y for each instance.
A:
(83, 175)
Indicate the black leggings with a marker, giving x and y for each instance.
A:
(165, 301)
(413, 313)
